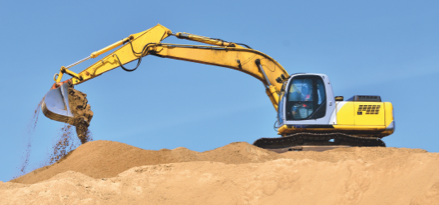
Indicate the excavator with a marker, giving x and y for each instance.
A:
(309, 115)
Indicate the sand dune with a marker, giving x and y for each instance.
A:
(104, 172)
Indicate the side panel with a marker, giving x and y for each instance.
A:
(369, 113)
(389, 113)
(345, 113)
(389, 118)
(376, 119)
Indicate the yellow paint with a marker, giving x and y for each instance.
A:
(349, 129)
(369, 117)
(388, 107)
(204, 39)
(356, 127)
(58, 79)
(272, 94)
(361, 113)
(72, 73)
(110, 47)
(285, 129)
(125, 54)
(282, 129)
(345, 114)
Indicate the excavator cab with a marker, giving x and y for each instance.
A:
(309, 105)
(308, 99)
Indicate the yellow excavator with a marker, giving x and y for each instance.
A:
(309, 115)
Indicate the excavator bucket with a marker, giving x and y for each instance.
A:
(55, 104)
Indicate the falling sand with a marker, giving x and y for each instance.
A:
(65, 141)
(64, 144)
(82, 114)
(29, 133)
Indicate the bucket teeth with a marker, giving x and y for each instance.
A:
(55, 104)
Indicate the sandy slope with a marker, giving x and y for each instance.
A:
(104, 172)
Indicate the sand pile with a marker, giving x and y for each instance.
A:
(105, 159)
(239, 173)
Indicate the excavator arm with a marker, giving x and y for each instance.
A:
(136, 46)
(121, 56)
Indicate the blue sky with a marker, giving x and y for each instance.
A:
(386, 48)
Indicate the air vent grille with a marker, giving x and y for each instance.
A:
(365, 98)
(369, 109)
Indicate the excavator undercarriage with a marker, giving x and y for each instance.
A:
(307, 141)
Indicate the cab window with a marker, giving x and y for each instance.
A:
(280, 111)
(306, 98)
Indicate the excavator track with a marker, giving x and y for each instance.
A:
(316, 142)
